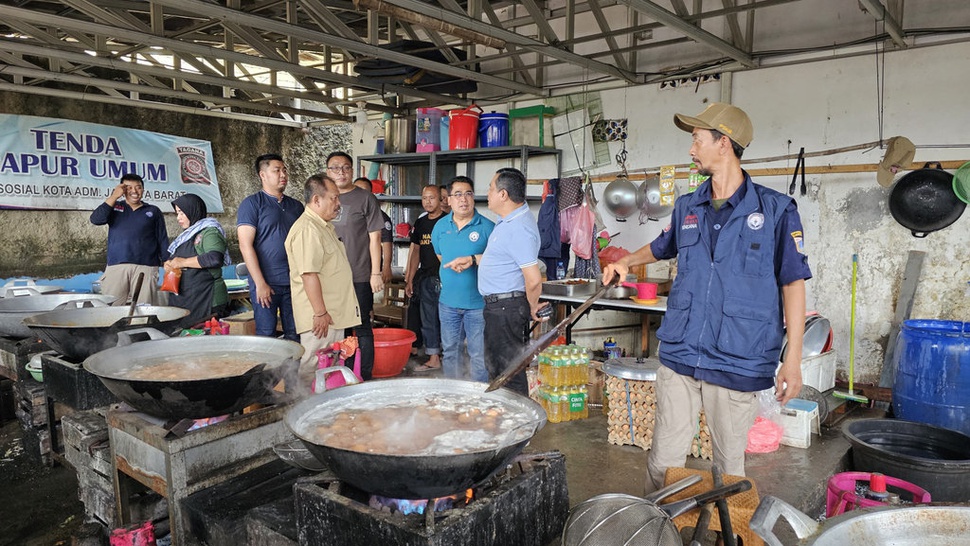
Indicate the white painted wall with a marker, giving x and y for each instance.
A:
(825, 105)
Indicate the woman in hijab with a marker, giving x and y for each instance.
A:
(200, 252)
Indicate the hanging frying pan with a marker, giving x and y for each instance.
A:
(923, 200)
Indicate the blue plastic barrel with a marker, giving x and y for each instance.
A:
(493, 130)
(932, 382)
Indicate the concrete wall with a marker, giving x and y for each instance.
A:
(64, 243)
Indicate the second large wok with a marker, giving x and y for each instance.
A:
(14, 309)
(79, 333)
(205, 394)
(414, 476)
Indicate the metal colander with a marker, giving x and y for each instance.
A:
(616, 518)
(619, 519)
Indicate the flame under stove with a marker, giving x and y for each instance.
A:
(526, 504)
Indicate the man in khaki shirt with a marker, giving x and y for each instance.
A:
(321, 282)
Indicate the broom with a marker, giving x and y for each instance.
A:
(851, 395)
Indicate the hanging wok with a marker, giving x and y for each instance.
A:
(923, 200)
(414, 476)
(648, 199)
(79, 333)
(194, 376)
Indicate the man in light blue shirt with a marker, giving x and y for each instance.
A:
(459, 240)
(508, 276)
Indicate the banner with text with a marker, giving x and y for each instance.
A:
(48, 163)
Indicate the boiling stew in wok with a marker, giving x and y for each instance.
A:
(187, 368)
(435, 425)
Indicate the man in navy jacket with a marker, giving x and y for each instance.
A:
(740, 276)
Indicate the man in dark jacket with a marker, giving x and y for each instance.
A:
(137, 241)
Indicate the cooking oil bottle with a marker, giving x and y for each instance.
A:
(552, 401)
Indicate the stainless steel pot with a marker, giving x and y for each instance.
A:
(413, 476)
(620, 197)
(923, 525)
(193, 398)
(399, 135)
(620, 293)
(13, 310)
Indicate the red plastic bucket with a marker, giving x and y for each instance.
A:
(392, 347)
(463, 131)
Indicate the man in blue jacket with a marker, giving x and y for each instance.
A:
(137, 241)
(740, 276)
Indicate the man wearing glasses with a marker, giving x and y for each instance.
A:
(459, 240)
(359, 227)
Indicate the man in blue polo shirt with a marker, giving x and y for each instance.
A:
(508, 276)
(263, 221)
(459, 240)
(740, 272)
(137, 241)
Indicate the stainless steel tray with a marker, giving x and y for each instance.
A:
(638, 369)
(570, 287)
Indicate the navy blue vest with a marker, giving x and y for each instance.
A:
(725, 313)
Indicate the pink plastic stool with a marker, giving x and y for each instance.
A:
(841, 497)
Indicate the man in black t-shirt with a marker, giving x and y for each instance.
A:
(421, 276)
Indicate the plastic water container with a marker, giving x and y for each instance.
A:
(493, 130)
(841, 496)
(428, 135)
(932, 383)
(463, 134)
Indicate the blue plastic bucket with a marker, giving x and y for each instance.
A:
(493, 130)
(932, 382)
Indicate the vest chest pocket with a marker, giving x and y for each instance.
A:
(673, 328)
(687, 244)
(755, 256)
(744, 329)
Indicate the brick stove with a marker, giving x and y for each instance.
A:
(525, 505)
(166, 459)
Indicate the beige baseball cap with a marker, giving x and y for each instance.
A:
(900, 152)
(726, 118)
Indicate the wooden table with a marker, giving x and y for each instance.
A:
(647, 312)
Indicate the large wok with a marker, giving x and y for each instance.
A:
(923, 200)
(79, 333)
(14, 309)
(26, 287)
(413, 476)
(193, 398)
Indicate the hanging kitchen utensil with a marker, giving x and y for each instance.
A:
(544, 341)
(649, 199)
(798, 164)
(961, 183)
(923, 200)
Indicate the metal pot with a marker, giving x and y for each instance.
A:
(79, 333)
(13, 310)
(193, 398)
(399, 135)
(923, 525)
(923, 200)
(413, 476)
(620, 293)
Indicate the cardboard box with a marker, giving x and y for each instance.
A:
(242, 324)
(799, 418)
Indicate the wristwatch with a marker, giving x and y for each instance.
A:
(473, 261)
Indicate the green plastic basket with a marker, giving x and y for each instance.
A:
(961, 183)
